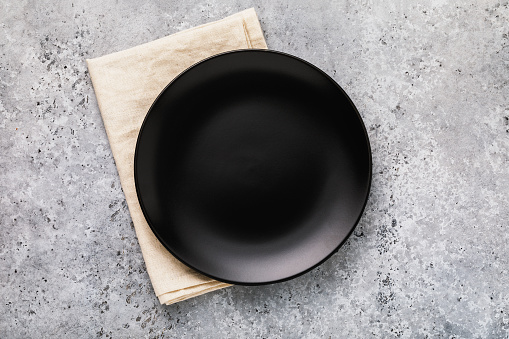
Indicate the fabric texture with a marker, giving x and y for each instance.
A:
(126, 83)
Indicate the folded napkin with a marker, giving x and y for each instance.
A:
(125, 84)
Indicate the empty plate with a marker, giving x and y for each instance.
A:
(252, 167)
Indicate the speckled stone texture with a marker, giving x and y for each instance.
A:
(430, 257)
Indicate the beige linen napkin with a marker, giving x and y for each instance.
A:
(126, 83)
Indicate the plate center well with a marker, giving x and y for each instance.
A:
(252, 173)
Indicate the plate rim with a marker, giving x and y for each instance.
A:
(335, 250)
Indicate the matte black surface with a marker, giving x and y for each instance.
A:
(252, 167)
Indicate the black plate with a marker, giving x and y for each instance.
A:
(252, 167)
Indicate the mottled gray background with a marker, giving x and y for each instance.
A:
(430, 257)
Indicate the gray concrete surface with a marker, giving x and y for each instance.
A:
(430, 257)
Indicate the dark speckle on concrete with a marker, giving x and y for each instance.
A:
(429, 258)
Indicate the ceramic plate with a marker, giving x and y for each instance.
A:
(252, 167)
